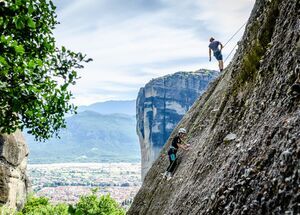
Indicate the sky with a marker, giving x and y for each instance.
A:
(134, 41)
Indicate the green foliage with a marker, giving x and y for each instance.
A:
(260, 35)
(250, 63)
(35, 75)
(41, 205)
(87, 205)
(7, 211)
(94, 205)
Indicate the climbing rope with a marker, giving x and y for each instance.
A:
(235, 34)
(230, 53)
(231, 39)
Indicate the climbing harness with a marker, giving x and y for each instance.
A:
(172, 147)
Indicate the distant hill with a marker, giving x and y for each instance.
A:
(90, 137)
(111, 107)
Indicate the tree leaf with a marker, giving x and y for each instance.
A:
(19, 49)
(30, 9)
(3, 61)
(31, 23)
(19, 22)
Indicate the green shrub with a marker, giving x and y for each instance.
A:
(92, 205)
(260, 36)
(6, 211)
(41, 206)
(87, 205)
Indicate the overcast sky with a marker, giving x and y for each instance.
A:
(133, 41)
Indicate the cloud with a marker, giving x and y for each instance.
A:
(133, 42)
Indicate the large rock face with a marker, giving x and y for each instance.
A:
(13, 162)
(245, 155)
(161, 104)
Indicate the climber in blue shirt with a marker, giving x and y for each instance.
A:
(177, 142)
(214, 46)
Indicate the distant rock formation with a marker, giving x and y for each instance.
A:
(13, 163)
(160, 106)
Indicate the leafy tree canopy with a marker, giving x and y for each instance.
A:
(87, 205)
(35, 75)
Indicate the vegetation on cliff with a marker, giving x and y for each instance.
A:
(244, 130)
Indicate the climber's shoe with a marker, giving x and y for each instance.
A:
(164, 175)
(169, 177)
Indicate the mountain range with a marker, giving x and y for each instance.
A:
(111, 107)
(101, 132)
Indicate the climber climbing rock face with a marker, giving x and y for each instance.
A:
(177, 143)
(216, 47)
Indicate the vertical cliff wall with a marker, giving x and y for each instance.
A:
(13, 163)
(160, 106)
(245, 155)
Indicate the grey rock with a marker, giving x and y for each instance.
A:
(213, 196)
(230, 137)
(13, 163)
(13, 148)
(161, 104)
(272, 157)
(286, 155)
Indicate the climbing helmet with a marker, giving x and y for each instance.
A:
(181, 131)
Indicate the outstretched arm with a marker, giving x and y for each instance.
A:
(183, 146)
(221, 46)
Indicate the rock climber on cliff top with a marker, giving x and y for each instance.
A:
(214, 46)
(177, 142)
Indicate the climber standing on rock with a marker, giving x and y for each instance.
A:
(177, 142)
(214, 46)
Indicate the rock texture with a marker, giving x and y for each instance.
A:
(256, 171)
(13, 162)
(161, 104)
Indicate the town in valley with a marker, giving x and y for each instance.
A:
(67, 182)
